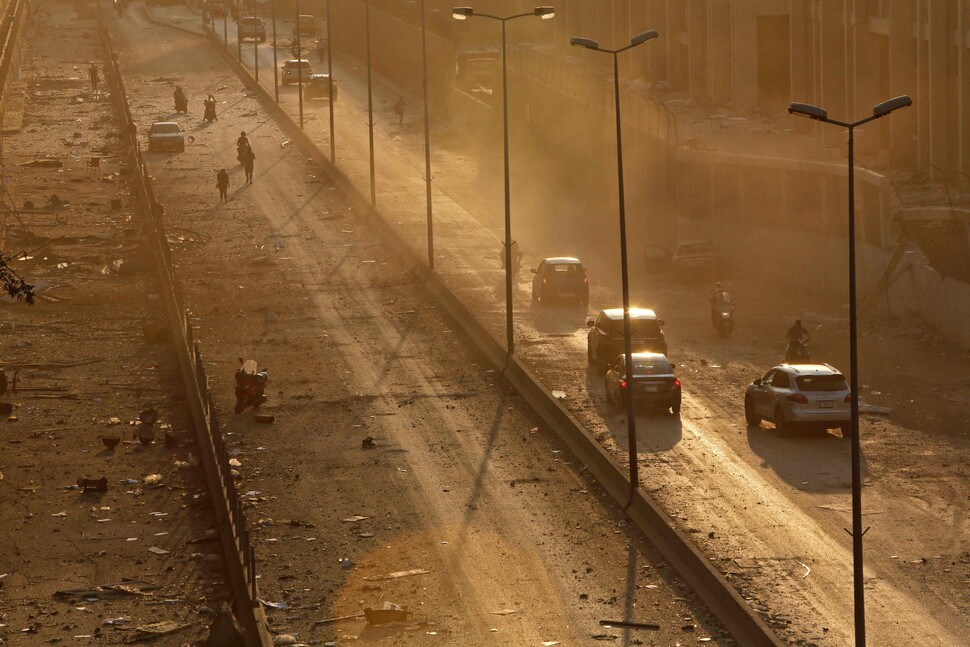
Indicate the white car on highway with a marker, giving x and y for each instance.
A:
(295, 71)
(790, 395)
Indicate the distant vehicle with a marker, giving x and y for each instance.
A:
(294, 70)
(477, 68)
(560, 278)
(252, 28)
(653, 382)
(811, 395)
(320, 86)
(694, 258)
(215, 8)
(166, 135)
(308, 26)
(605, 340)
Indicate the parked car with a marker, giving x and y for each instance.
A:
(252, 28)
(605, 340)
(320, 86)
(166, 135)
(653, 382)
(694, 258)
(560, 278)
(294, 70)
(790, 395)
(308, 26)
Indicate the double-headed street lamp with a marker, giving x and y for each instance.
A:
(631, 418)
(819, 114)
(545, 13)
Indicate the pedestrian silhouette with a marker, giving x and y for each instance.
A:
(94, 76)
(248, 157)
(399, 111)
(222, 183)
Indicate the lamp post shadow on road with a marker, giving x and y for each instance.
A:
(276, 66)
(631, 418)
(545, 13)
(370, 106)
(333, 146)
(427, 136)
(299, 64)
(820, 114)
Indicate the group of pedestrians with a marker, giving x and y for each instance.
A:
(246, 157)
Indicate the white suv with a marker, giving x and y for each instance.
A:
(295, 71)
(814, 395)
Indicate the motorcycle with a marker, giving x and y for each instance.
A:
(250, 385)
(210, 111)
(181, 104)
(722, 317)
(798, 352)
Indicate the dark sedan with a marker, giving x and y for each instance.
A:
(561, 278)
(654, 382)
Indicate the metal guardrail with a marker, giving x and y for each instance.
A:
(238, 551)
(11, 29)
(739, 618)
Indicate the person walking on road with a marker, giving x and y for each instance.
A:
(222, 183)
(321, 49)
(399, 111)
(94, 76)
(248, 157)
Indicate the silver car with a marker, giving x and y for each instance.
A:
(295, 71)
(791, 395)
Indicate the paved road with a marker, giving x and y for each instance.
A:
(775, 509)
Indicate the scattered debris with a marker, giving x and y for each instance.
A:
(865, 407)
(110, 441)
(264, 418)
(397, 574)
(629, 625)
(152, 479)
(327, 621)
(156, 630)
(559, 395)
(158, 551)
(355, 518)
(43, 163)
(93, 485)
(368, 443)
(390, 612)
(225, 630)
(504, 612)
(273, 605)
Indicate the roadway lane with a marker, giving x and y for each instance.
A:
(519, 547)
(770, 504)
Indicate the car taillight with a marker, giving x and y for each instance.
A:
(848, 397)
(585, 280)
(622, 384)
(544, 281)
(676, 384)
(797, 397)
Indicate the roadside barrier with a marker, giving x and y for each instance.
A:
(237, 549)
(11, 29)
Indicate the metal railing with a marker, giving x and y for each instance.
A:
(238, 551)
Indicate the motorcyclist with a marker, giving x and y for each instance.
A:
(242, 144)
(797, 336)
(719, 298)
(210, 108)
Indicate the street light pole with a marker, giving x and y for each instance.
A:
(631, 417)
(545, 13)
(333, 150)
(819, 114)
(427, 137)
(299, 65)
(256, 45)
(370, 106)
(276, 67)
(238, 34)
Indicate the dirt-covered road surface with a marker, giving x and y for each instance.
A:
(770, 511)
(133, 555)
(399, 468)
